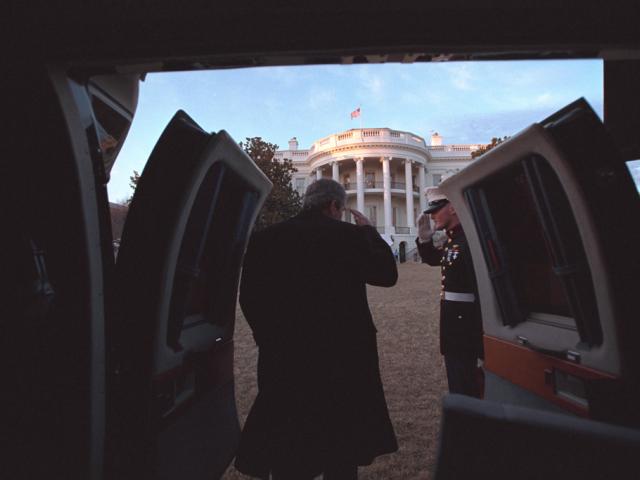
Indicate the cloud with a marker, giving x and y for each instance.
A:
(423, 96)
(321, 98)
(272, 104)
(544, 99)
(512, 101)
(480, 128)
(372, 85)
(460, 76)
(284, 76)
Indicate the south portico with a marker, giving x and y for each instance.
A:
(377, 184)
(384, 173)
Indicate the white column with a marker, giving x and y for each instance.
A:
(360, 185)
(335, 171)
(318, 173)
(409, 192)
(386, 194)
(423, 184)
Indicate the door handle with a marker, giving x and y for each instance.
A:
(570, 355)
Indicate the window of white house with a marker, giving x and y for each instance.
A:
(372, 214)
(370, 179)
(346, 181)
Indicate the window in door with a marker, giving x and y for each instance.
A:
(211, 252)
(533, 249)
(372, 214)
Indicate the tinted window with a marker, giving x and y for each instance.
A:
(520, 232)
(211, 253)
(533, 248)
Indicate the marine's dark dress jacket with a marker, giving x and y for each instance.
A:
(320, 395)
(460, 321)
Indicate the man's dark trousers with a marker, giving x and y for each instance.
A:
(461, 373)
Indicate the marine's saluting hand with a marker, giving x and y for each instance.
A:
(424, 228)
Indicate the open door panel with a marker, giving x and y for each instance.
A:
(502, 442)
(549, 215)
(172, 408)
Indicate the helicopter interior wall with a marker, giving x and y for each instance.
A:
(48, 345)
(205, 34)
(622, 105)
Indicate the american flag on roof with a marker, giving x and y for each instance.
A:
(355, 113)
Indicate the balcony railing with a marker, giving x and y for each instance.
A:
(372, 184)
(398, 230)
(453, 148)
(362, 135)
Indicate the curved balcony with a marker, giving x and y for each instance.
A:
(370, 185)
(359, 136)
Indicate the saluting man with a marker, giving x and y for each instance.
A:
(320, 406)
(460, 320)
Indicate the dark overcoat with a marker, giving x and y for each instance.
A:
(320, 398)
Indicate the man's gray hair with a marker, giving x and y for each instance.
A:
(321, 193)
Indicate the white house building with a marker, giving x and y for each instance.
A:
(383, 171)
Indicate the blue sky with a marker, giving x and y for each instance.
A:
(466, 102)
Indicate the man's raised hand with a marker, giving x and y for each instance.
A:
(359, 218)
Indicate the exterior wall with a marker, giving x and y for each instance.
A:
(401, 223)
(379, 149)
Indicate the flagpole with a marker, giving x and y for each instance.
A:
(360, 110)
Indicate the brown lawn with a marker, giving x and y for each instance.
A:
(412, 371)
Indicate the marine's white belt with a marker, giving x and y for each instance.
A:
(459, 297)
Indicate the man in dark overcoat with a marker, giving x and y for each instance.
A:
(320, 406)
(460, 317)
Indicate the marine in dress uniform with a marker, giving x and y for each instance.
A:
(460, 319)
